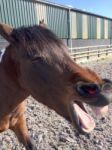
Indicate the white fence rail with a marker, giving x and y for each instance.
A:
(90, 53)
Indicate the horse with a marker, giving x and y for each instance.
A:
(37, 63)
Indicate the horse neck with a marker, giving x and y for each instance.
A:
(12, 93)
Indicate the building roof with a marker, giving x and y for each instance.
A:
(71, 8)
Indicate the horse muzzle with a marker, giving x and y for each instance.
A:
(94, 94)
(98, 97)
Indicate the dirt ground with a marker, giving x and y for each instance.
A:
(52, 132)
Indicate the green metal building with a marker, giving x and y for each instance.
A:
(72, 25)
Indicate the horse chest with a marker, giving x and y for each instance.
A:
(8, 120)
(11, 119)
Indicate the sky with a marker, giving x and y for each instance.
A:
(101, 7)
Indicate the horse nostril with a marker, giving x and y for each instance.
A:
(87, 89)
(107, 87)
(107, 80)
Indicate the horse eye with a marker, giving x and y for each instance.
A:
(36, 59)
(33, 57)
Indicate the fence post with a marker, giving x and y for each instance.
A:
(107, 50)
(88, 53)
(98, 52)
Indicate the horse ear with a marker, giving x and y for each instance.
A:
(43, 20)
(5, 31)
(42, 23)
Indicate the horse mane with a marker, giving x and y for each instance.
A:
(40, 42)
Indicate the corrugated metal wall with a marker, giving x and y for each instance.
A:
(102, 28)
(109, 29)
(24, 12)
(18, 12)
(73, 25)
(83, 26)
(92, 27)
(57, 20)
(106, 29)
(98, 28)
(79, 25)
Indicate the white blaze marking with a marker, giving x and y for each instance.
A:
(2, 52)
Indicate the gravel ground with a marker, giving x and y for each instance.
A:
(52, 132)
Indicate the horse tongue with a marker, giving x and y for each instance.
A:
(86, 121)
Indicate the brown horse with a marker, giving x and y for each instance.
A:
(36, 63)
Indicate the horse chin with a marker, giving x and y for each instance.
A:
(82, 120)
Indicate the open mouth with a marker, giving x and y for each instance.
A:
(83, 121)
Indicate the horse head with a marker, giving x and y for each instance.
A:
(45, 70)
